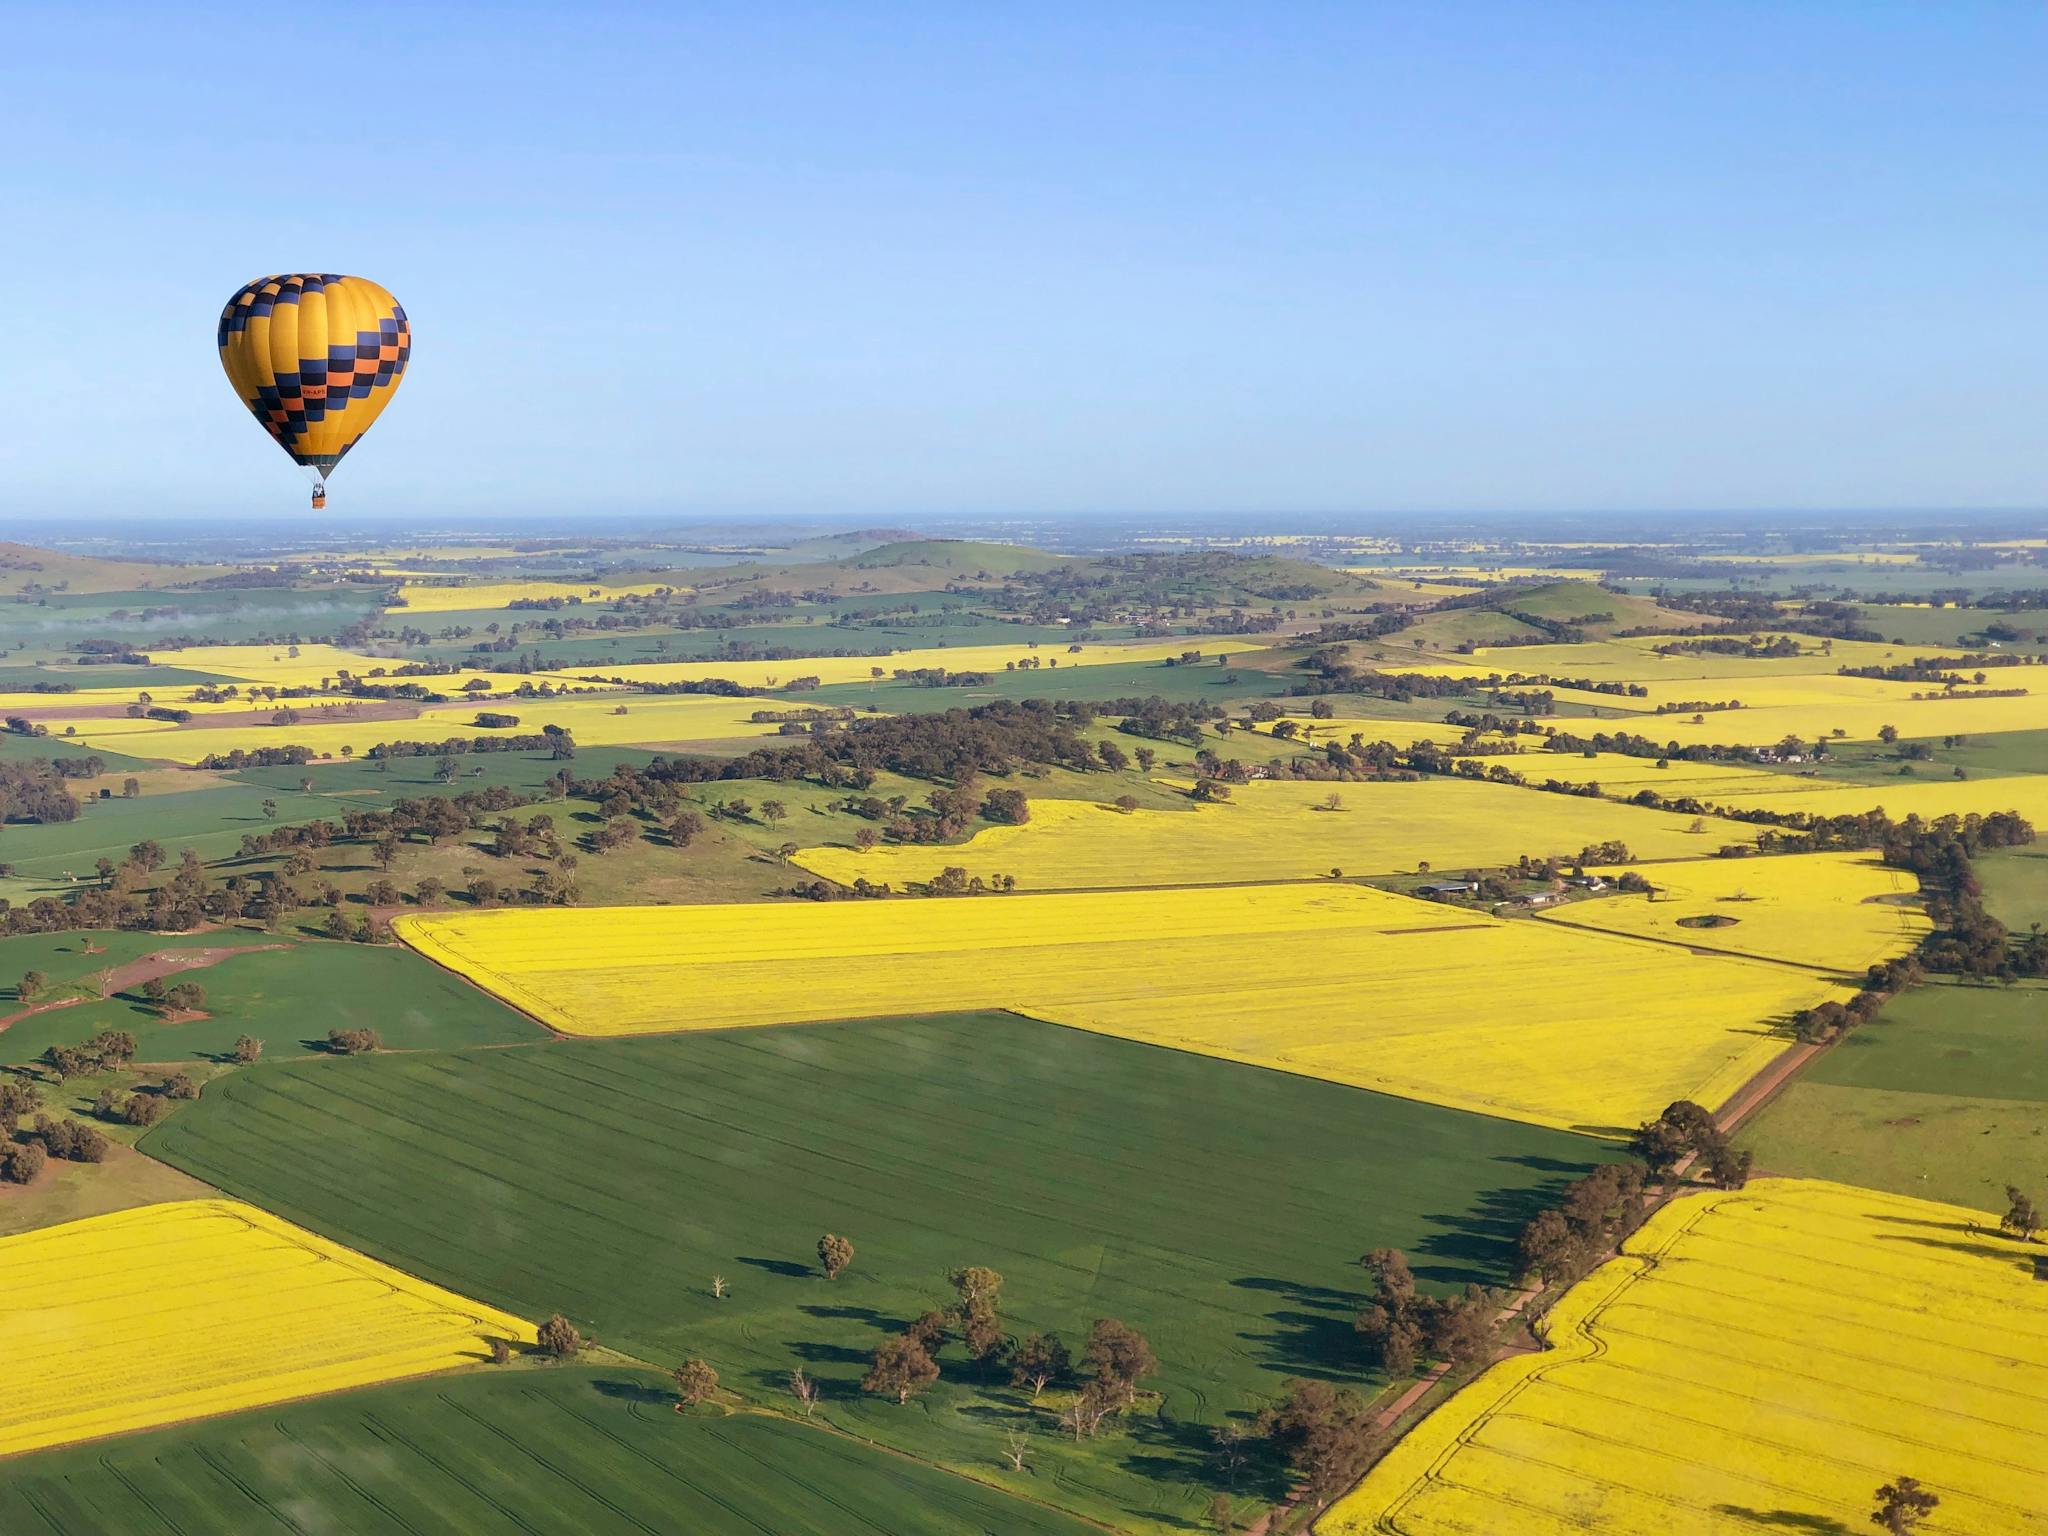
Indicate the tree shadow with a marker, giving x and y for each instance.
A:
(632, 1391)
(1311, 1333)
(785, 1267)
(1785, 1520)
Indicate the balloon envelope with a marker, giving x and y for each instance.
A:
(316, 357)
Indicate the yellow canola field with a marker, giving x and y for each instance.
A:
(1636, 660)
(648, 720)
(169, 1312)
(430, 597)
(1737, 788)
(956, 658)
(1843, 911)
(275, 665)
(1276, 829)
(1310, 732)
(1757, 1360)
(1342, 982)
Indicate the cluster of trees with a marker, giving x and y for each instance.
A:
(1686, 1132)
(1968, 941)
(1404, 1325)
(1754, 646)
(1561, 1245)
(32, 789)
(107, 1051)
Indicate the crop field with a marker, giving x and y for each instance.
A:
(1945, 1095)
(1841, 911)
(608, 719)
(1283, 830)
(1335, 981)
(598, 1452)
(229, 1306)
(613, 1179)
(288, 997)
(953, 658)
(431, 597)
(1758, 1360)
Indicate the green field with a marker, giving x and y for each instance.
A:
(553, 1450)
(1944, 1097)
(1205, 684)
(2015, 882)
(287, 998)
(1219, 1208)
(20, 679)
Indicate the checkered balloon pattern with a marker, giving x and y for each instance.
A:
(316, 357)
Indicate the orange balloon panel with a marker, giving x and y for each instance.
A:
(316, 357)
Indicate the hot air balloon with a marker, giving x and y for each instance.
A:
(316, 357)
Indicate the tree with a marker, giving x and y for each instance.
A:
(185, 997)
(248, 1048)
(21, 1161)
(695, 1382)
(353, 1042)
(270, 810)
(773, 810)
(31, 985)
(1118, 1357)
(2022, 1217)
(1016, 1446)
(560, 1338)
(1902, 1506)
(1009, 806)
(834, 1254)
(804, 1390)
(902, 1366)
(1039, 1361)
(179, 1086)
(1392, 1331)
(1325, 1433)
(981, 1329)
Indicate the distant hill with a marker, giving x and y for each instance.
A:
(25, 568)
(960, 559)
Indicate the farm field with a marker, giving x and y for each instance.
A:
(563, 1449)
(613, 1179)
(1726, 1375)
(611, 719)
(1281, 830)
(233, 1307)
(1839, 911)
(419, 597)
(1335, 981)
(286, 997)
(953, 658)
(1945, 1096)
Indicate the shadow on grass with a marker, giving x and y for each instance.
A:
(786, 1267)
(632, 1391)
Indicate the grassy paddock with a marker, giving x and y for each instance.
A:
(557, 1449)
(1946, 1096)
(1218, 1208)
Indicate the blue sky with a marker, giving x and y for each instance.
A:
(901, 260)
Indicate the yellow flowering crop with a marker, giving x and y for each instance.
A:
(953, 658)
(170, 1312)
(1840, 910)
(1520, 1019)
(1277, 829)
(429, 597)
(605, 718)
(1759, 1360)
